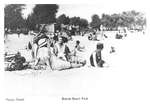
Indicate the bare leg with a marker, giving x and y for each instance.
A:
(74, 65)
(35, 51)
(36, 61)
(48, 62)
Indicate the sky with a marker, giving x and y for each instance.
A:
(87, 10)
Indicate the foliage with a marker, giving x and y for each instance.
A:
(13, 17)
(63, 19)
(75, 21)
(96, 22)
(31, 22)
(129, 19)
(83, 23)
(44, 13)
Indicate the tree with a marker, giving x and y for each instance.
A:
(107, 21)
(31, 22)
(13, 17)
(83, 23)
(130, 19)
(96, 22)
(140, 20)
(117, 20)
(75, 21)
(133, 19)
(44, 13)
(63, 19)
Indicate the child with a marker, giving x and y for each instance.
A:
(96, 57)
(78, 53)
(78, 47)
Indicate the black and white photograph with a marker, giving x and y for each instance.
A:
(78, 53)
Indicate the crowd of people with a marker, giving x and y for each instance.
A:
(54, 51)
(53, 48)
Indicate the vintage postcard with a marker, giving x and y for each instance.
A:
(79, 53)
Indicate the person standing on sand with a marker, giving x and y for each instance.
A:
(37, 38)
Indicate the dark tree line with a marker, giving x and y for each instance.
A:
(46, 14)
(42, 14)
(129, 19)
(13, 17)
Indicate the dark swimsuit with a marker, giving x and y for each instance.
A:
(98, 59)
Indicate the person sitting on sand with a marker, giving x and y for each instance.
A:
(61, 50)
(78, 53)
(78, 47)
(60, 58)
(96, 56)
